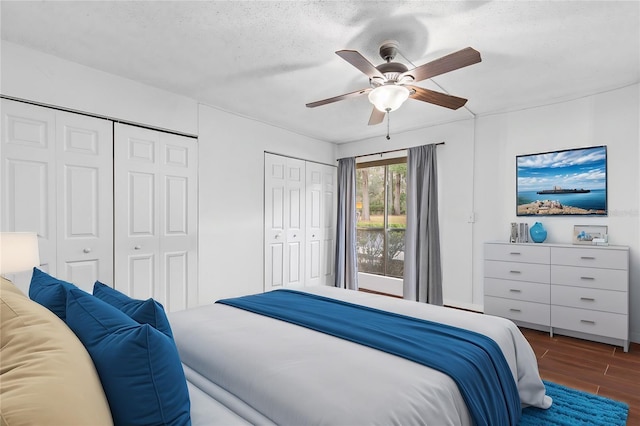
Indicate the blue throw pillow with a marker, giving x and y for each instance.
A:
(143, 311)
(139, 367)
(50, 292)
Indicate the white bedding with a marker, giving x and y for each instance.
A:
(268, 371)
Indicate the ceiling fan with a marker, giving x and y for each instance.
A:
(392, 82)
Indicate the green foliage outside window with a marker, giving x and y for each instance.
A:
(381, 209)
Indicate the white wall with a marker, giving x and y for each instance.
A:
(610, 119)
(30, 75)
(476, 169)
(455, 197)
(231, 197)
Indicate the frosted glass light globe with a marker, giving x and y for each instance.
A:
(388, 97)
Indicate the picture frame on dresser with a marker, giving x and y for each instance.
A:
(585, 234)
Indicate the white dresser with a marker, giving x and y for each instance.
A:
(579, 291)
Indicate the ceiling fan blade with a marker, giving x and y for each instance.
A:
(453, 61)
(339, 98)
(360, 62)
(437, 98)
(376, 117)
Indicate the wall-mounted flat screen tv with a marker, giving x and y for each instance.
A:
(567, 182)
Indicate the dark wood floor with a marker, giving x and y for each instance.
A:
(591, 367)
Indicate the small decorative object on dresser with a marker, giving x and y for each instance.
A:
(538, 233)
(514, 233)
(585, 234)
(576, 291)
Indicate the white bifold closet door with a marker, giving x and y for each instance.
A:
(57, 170)
(321, 216)
(156, 175)
(299, 222)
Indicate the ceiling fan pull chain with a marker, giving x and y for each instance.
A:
(388, 119)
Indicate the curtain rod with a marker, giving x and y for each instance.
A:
(386, 152)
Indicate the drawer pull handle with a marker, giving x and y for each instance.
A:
(587, 278)
(588, 321)
(515, 253)
(588, 299)
(515, 310)
(515, 272)
(587, 257)
(515, 290)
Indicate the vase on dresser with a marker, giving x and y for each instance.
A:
(538, 233)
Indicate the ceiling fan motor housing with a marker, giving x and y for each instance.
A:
(388, 50)
(392, 70)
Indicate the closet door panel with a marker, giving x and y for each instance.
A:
(136, 210)
(83, 271)
(177, 272)
(142, 274)
(299, 222)
(178, 222)
(284, 222)
(275, 262)
(314, 230)
(156, 177)
(85, 199)
(294, 221)
(320, 223)
(141, 200)
(27, 170)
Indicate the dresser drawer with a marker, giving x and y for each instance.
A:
(518, 310)
(606, 279)
(593, 322)
(589, 298)
(518, 290)
(517, 271)
(517, 253)
(590, 257)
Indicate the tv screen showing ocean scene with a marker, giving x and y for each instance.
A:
(567, 182)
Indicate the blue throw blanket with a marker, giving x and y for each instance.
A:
(474, 361)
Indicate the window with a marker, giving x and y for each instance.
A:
(381, 208)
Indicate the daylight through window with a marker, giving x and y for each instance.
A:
(381, 209)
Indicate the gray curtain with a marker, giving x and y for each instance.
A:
(422, 269)
(346, 259)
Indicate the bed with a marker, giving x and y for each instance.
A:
(71, 357)
(246, 368)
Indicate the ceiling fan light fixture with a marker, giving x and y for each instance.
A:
(388, 97)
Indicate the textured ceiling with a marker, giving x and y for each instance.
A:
(266, 60)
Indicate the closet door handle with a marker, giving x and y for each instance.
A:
(86, 250)
(137, 247)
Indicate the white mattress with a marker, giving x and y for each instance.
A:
(268, 371)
